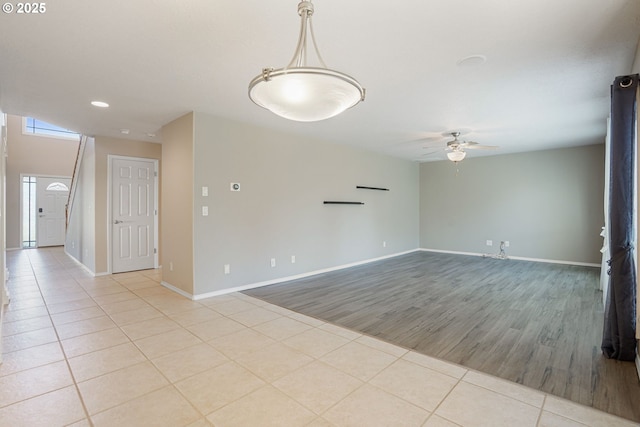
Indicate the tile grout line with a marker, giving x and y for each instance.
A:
(544, 400)
(131, 341)
(88, 416)
(66, 359)
(459, 380)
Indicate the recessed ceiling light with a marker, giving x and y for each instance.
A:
(124, 131)
(472, 61)
(151, 135)
(100, 104)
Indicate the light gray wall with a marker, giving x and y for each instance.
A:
(547, 204)
(279, 211)
(80, 240)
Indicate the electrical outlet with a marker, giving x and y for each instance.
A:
(384, 244)
(205, 210)
(227, 269)
(205, 191)
(489, 242)
(293, 259)
(170, 265)
(273, 262)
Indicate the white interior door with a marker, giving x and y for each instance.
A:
(51, 197)
(133, 214)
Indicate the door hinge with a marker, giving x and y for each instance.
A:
(155, 212)
(155, 173)
(155, 251)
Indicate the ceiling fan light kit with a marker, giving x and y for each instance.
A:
(303, 93)
(456, 155)
(455, 148)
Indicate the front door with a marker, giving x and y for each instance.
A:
(133, 214)
(51, 197)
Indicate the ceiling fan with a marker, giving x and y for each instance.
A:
(456, 148)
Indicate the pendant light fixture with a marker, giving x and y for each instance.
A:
(303, 93)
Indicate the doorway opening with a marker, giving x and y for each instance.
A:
(43, 210)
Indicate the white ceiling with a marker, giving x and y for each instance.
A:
(545, 82)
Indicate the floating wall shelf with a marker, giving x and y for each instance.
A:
(328, 202)
(371, 188)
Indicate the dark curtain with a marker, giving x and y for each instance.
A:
(619, 341)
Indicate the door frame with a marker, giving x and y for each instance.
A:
(36, 175)
(109, 225)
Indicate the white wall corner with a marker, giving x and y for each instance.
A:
(81, 265)
(178, 290)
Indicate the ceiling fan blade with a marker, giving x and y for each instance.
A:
(482, 147)
(476, 146)
(432, 143)
(424, 142)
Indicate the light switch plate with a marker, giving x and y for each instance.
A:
(205, 210)
(205, 191)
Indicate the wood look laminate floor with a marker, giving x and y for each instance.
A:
(536, 324)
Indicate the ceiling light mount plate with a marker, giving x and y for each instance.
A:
(472, 61)
(305, 7)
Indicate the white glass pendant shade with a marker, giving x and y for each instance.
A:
(456, 156)
(301, 92)
(305, 94)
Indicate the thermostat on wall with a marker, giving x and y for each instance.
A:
(235, 186)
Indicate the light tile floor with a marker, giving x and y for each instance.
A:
(122, 350)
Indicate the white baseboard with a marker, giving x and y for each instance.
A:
(441, 251)
(196, 297)
(289, 278)
(550, 261)
(556, 261)
(87, 269)
(177, 290)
